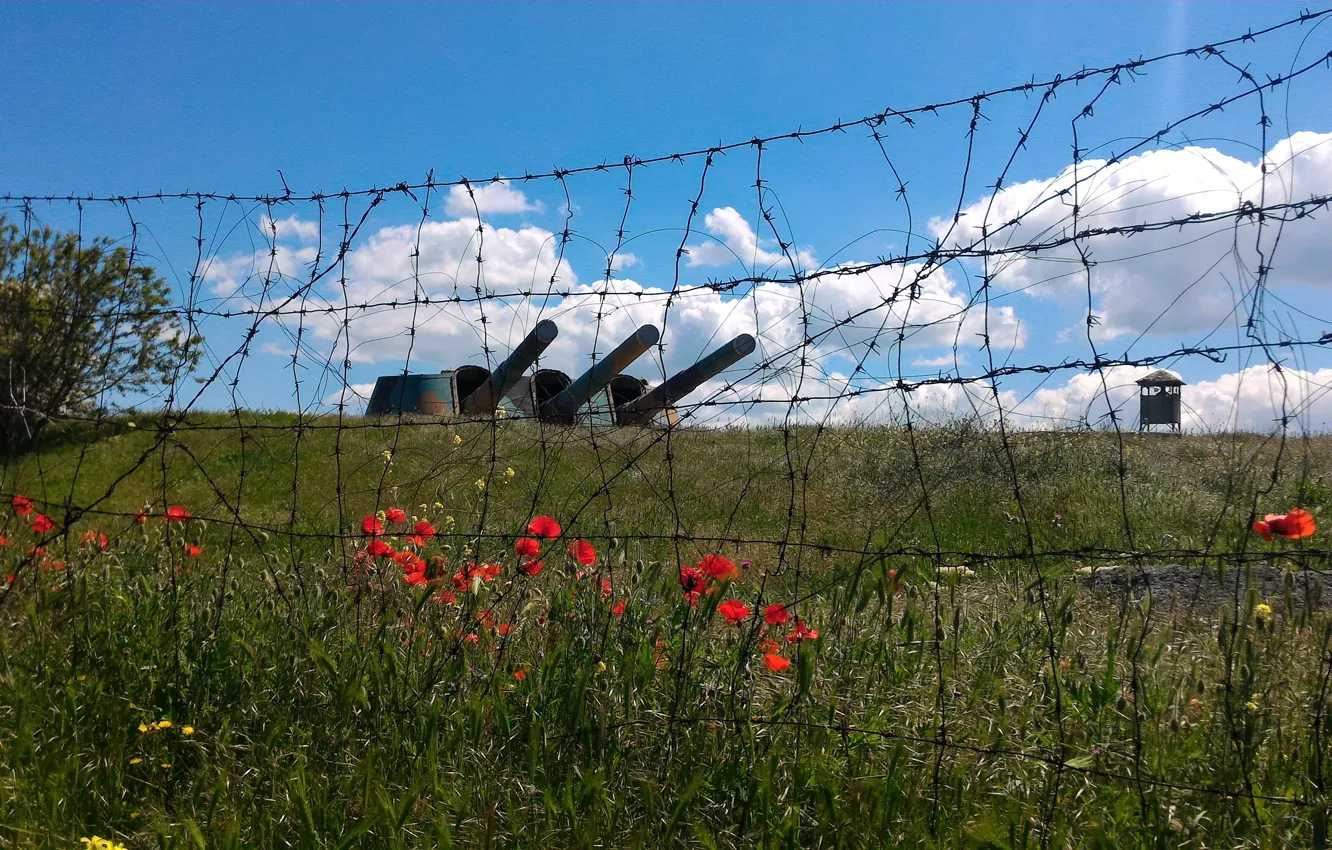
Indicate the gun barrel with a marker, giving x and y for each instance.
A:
(682, 383)
(508, 373)
(564, 405)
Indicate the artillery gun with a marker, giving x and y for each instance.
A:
(603, 395)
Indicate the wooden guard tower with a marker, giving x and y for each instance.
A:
(1159, 398)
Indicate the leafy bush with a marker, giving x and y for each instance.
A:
(81, 325)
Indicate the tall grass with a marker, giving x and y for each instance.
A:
(332, 704)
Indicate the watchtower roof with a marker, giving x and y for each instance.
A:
(1161, 377)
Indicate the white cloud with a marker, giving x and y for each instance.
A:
(351, 395)
(935, 362)
(1251, 399)
(739, 242)
(274, 348)
(244, 276)
(290, 227)
(491, 199)
(624, 260)
(1174, 280)
(850, 318)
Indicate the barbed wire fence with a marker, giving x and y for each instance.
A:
(812, 396)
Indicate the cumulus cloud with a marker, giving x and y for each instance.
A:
(410, 291)
(491, 199)
(246, 275)
(937, 362)
(1169, 281)
(624, 260)
(738, 242)
(1251, 399)
(290, 227)
(351, 395)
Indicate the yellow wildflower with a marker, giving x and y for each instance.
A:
(136, 760)
(457, 440)
(480, 483)
(99, 843)
(1262, 613)
(509, 473)
(187, 730)
(163, 724)
(166, 765)
(143, 727)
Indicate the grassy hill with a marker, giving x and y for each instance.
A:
(965, 688)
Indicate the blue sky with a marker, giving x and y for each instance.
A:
(111, 98)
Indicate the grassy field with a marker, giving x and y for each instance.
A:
(964, 688)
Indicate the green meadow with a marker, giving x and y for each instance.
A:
(967, 687)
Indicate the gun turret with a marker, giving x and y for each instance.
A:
(641, 410)
(507, 374)
(563, 406)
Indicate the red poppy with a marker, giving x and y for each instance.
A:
(42, 524)
(520, 674)
(446, 596)
(544, 526)
(1291, 526)
(733, 610)
(472, 637)
(490, 572)
(802, 632)
(9, 578)
(379, 548)
(4, 541)
(531, 568)
(504, 629)
(618, 609)
(582, 552)
(719, 568)
(776, 614)
(605, 588)
(22, 505)
(192, 550)
(396, 515)
(54, 565)
(416, 540)
(92, 538)
(769, 645)
(424, 529)
(411, 563)
(175, 513)
(142, 516)
(372, 526)
(461, 582)
(415, 578)
(775, 662)
(527, 547)
(693, 581)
